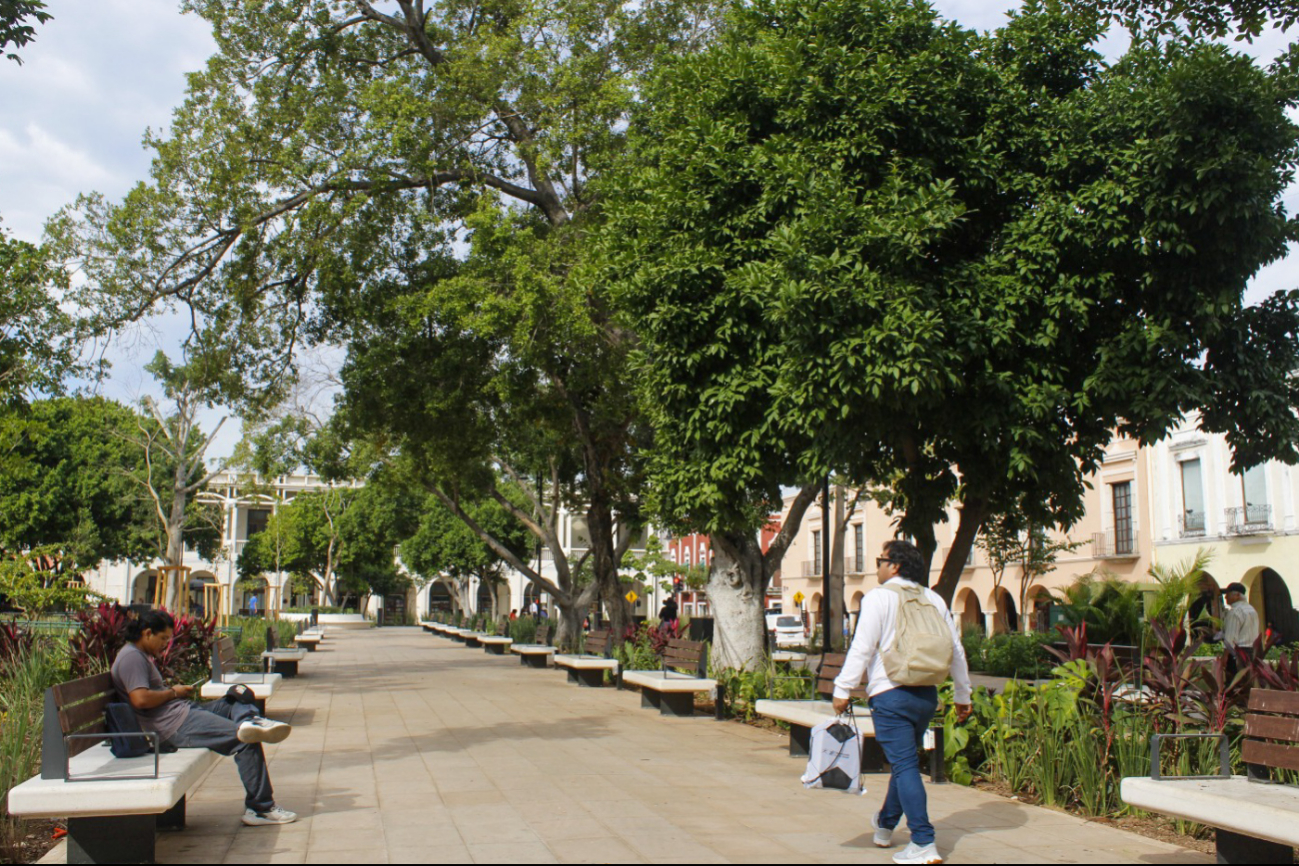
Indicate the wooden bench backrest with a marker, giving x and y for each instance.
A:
(272, 639)
(831, 666)
(687, 655)
(543, 635)
(79, 707)
(599, 642)
(224, 656)
(503, 628)
(1271, 732)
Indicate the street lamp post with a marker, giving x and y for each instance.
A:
(826, 606)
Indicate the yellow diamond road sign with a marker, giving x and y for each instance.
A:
(798, 598)
(632, 596)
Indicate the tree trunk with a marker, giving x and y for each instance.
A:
(566, 628)
(604, 566)
(737, 586)
(837, 601)
(973, 514)
(175, 545)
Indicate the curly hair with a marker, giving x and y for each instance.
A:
(911, 565)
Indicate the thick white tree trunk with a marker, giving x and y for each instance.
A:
(736, 586)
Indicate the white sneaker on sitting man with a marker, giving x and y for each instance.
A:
(260, 730)
(275, 815)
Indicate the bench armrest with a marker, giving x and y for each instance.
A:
(151, 736)
(253, 668)
(1224, 755)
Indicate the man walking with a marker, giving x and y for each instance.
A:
(902, 712)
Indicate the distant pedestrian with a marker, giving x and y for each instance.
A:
(514, 614)
(669, 613)
(1240, 627)
(901, 711)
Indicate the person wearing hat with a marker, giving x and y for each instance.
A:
(1239, 623)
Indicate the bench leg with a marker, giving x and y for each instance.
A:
(591, 679)
(800, 741)
(261, 707)
(677, 704)
(719, 704)
(122, 839)
(538, 661)
(650, 699)
(872, 757)
(309, 647)
(496, 649)
(1235, 848)
(173, 818)
(286, 669)
(937, 760)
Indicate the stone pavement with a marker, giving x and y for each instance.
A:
(408, 748)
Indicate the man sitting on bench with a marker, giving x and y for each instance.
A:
(224, 727)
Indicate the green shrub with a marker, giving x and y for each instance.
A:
(1011, 655)
(23, 681)
(524, 630)
(743, 689)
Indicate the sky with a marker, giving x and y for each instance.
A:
(102, 72)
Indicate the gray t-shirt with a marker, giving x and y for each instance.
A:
(133, 669)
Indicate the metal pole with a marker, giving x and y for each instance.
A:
(827, 641)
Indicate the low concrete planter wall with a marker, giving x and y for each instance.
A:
(332, 620)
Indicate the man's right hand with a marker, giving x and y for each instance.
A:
(183, 692)
(963, 712)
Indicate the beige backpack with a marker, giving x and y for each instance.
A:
(921, 654)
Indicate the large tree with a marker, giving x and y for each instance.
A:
(951, 262)
(18, 20)
(39, 341)
(330, 160)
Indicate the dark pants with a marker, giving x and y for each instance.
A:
(901, 716)
(213, 726)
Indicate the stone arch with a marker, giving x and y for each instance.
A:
(1006, 618)
(1270, 596)
(1208, 606)
(143, 587)
(440, 598)
(970, 611)
(1037, 604)
(854, 609)
(244, 597)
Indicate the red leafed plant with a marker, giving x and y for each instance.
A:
(103, 633)
(14, 641)
(97, 641)
(190, 650)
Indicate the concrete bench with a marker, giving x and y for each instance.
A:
(113, 806)
(670, 691)
(804, 715)
(587, 669)
(226, 673)
(498, 643)
(280, 660)
(1255, 820)
(536, 655)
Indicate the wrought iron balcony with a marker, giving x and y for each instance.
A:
(1192, 524)
(1250, 520)
(1114, 545)
(811, 568)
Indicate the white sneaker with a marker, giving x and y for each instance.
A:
(275, 816)
(259, 730)
(914, 853)
(883, 835)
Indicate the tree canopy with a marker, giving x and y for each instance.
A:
(858, 237)
(18, 20)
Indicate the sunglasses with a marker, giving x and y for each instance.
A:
(880, 560)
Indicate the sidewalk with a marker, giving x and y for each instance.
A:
(408, 748)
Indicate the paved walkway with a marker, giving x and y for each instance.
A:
(409, 748)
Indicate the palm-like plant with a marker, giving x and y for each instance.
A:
(1179, 587)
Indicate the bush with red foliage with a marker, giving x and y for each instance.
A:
(14, 641)
(102, 635)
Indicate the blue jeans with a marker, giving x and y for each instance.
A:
(901, 716)
(214, 725)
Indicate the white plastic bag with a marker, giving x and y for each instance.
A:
(834, 759)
